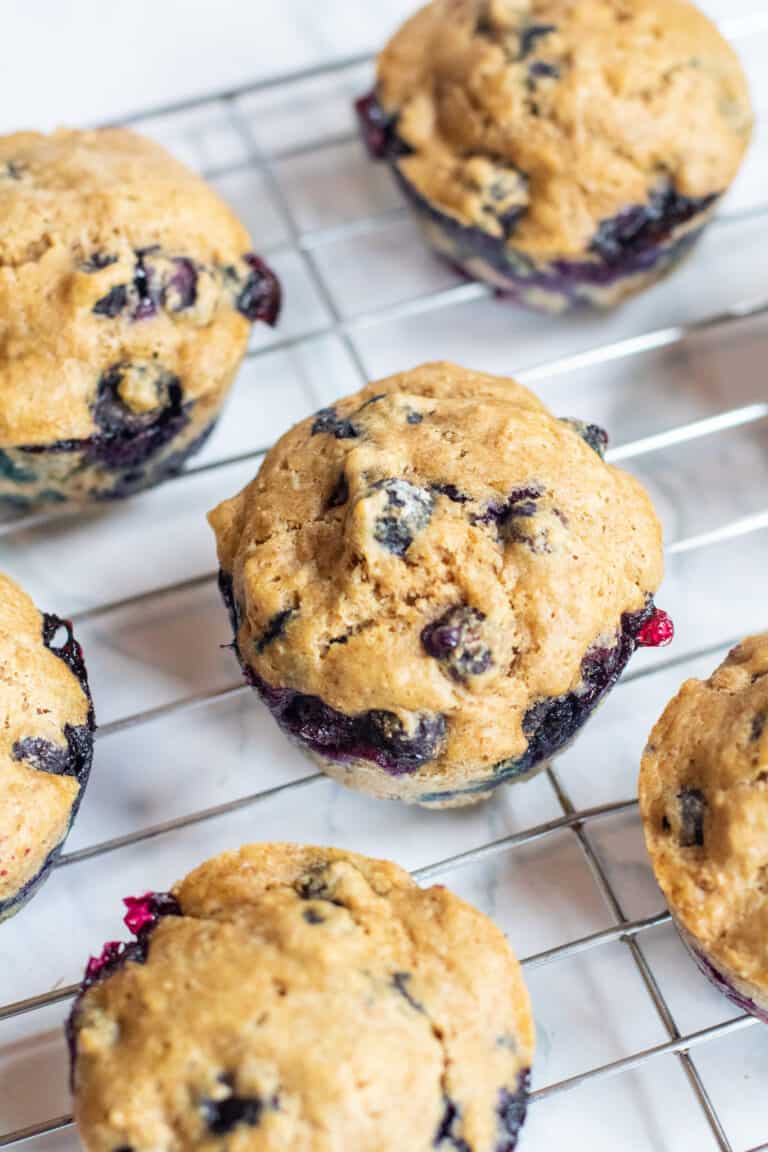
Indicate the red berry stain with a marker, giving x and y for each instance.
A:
(145, 911)
(141, 911)
(109, 953)
(656, 632)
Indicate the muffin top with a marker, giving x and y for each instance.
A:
(539, 121)
(704, 802)
(44, 740)
(304, 998)
(441, 547)
(115, 260)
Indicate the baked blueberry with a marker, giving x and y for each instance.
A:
(704, 804)
(460, 605)
(129, 318)
(565, 154)
(236, 1018)
(46, 742)
(457, 640)
(406, 512)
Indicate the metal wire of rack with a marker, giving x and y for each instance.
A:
(307, 243)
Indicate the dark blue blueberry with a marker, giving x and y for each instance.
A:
(147, 287)
(530, 36)
(692, 805)
(456, 640)
(274, 629)
(128, 439)
(312, 916)
(340, 493)
(180, 290)
(147, 472)
(414, 417)
(452, 492)
(448, 1134)
(377, 735)
(542, 69)
(521, 504)
(408, 511)
(511, 1110)
(645, 226)
(97, 261)
(376, 127)
(44, 756)
(138, 300)
(328, 421)
(260, 297)
(592, 434)
(505, 198)
(223, 1116)
(114, 303)
(314, 886)
(401, 983)
(383, 730)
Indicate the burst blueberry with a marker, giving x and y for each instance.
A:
(329, 422)
(407, 512)
(260, 297)
(692, 808)
(457, 640)
(592, 434)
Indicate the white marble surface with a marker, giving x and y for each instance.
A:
(98, 61)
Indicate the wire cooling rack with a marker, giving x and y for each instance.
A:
(679, 372)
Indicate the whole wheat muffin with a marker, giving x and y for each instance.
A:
(127, 293)
(566, 151)
(303, 998)
(434, 582)
(704, 803)
(46, 742)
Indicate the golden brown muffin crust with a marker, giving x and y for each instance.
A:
(329, 987)
(704, 801)
(39, 696)
(72, 196)
(305, 539)
(572, 109)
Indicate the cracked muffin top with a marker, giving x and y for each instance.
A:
(704, 802)
(113, 254)
(305, 998)
(44, 741)
(557, 115)
(438, 546)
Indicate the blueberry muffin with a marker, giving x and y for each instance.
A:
(127, 293)
(46, 742)
(305, 998)
(433, 582)
(565, 152)
(704, 803)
